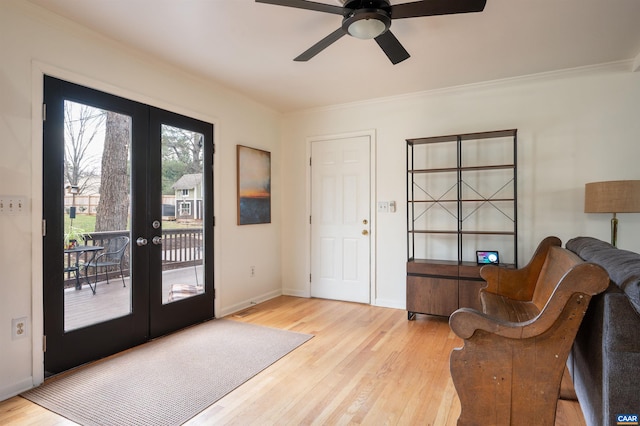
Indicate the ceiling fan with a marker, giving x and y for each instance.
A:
(371, 19)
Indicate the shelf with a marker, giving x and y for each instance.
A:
(491, 167)
(467, 192)
(464, 169)
(441, 170)
(415, 231)
(509, 233)
(476, 200)
(455, 232)
(464, 137)
(436, 286)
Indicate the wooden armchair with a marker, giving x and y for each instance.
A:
(510, 368)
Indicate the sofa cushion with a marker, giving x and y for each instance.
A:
(632, 289)
(623, 266)
(584, 246)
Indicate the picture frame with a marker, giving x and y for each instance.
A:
(254, 185)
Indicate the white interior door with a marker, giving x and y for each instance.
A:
(340, 219)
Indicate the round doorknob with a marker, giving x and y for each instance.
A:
(365, 232)
(141, 241)
(156, 240)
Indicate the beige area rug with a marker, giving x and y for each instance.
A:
(169, 380)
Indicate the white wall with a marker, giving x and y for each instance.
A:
(574, 127)
(33, 41)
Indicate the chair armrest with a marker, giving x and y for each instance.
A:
(466, 321)
(518, 284)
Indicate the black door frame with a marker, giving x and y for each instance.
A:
(66, 350)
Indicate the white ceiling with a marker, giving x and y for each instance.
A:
(250, 47)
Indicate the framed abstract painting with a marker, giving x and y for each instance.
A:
(254, 185)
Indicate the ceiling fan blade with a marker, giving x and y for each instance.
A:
(321, 45)
(309, 5)
(392, 47)
(436, 7)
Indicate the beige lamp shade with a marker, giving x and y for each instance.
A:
(616, 196)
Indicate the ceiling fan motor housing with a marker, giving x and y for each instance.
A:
(357, 12)
(367, 4)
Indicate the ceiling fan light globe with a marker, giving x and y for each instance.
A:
(367, 29)
(367, 23)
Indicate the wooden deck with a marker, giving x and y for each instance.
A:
(83, 308)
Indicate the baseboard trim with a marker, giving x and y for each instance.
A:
(296, 292)
(14, 389)
(387, 303)
(248, 303)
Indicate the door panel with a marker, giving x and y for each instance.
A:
(182, 283)
(340, 250)
(76, 330)
(103, 187)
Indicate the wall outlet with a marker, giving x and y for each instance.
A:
(19, 328)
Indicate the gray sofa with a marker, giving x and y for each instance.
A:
(605, 359)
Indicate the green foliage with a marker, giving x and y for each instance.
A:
(74, 233)
(82, 221)
(87, 223)
(172, 170)
(181, 155)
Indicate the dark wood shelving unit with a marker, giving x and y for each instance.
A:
(461, 197)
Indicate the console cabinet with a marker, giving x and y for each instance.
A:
(461, 198)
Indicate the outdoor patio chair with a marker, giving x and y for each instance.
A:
(76, 270)
(113, 255)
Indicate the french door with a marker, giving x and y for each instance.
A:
(128, 223)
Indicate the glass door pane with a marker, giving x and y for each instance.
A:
(182, 213)
(97, 183)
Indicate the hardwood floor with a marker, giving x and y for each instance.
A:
(366, 365)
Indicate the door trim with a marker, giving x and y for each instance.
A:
(38, 70)
(371, 134)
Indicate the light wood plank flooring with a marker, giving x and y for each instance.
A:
(366, 365)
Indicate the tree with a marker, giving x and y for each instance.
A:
(82, 124)
(113, 207)
(181, 155)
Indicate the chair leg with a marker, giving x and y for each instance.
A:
(95, 284)
(122, 276)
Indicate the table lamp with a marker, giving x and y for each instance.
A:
(616, 196)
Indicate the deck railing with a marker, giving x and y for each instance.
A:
(180, 248)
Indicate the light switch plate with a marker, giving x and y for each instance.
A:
(12, 205)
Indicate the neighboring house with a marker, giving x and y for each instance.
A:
(188, 190)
